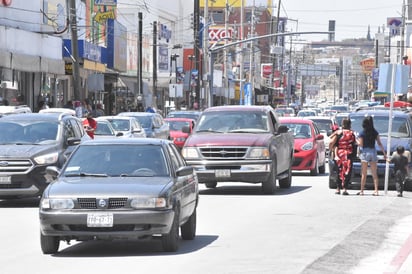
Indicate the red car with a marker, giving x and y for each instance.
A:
(176, 134)
(309, 148)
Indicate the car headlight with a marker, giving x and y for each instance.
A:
(149, 202)
(190, 152)
(307, 146)
(56, 204)
(258, 153)
(47, 159)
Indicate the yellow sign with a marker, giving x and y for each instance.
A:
(101, 17)
(232, 3)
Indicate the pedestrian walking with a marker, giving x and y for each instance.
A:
(401, 169)
(343, 144)
(367, 140)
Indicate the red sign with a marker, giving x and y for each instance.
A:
(216, 34)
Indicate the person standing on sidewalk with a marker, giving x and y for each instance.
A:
(400, 162)
(367, 139)
(343, 144)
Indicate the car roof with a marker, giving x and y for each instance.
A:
(327, 118)
(113, 117)
(179, 119)
(136, 113)
(295, 120)
(379, 112)
(239, 108)
(127, 141)
(35, 116)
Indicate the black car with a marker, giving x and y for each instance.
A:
(401, 134)
(29, 143)
(120, 188)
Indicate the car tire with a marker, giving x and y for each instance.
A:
(332, 183)
(315, 170)
(269, 186)
(211, 184)
(322, 168)
(188, 229)
(49, 244)
(286, 182)
(170, 241)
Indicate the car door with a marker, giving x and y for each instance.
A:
(280, 144)
(185, 185)
(320, 144)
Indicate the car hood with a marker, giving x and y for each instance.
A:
(227, 139)
(24, 151)
(108, 186)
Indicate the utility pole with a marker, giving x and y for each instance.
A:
(75, 50)
(225, 75)
(251, 63)
(140, 56)
(208, 95)
(196, 49)
(241, 67)
(155, 66)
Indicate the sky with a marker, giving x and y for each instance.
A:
(352, 16)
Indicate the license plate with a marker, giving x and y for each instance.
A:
(100, 220)
(222, 173)
(5, 180)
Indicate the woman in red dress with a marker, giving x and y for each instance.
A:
(343, 143)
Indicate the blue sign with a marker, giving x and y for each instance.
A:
(105, 2)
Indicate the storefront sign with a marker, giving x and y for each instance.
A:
(105, 2)
(216, 34)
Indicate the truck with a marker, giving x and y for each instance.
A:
(241, 144)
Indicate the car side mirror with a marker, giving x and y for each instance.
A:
(119, 134)
(320, 137)
(184, 171)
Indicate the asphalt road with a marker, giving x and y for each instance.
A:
(304, 229)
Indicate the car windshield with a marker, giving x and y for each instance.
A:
(103, 129)
(233, 121)
(400, 127)
(120, 124)
(299, 131)
(323, 124)
(28, 132)
(145, 121)
(177, 125)
(117, 160)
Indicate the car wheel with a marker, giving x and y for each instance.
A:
(269, 186)
(322, 168)
(286, 182)
(315, 170)
(188, 229)
(211, 185)
(332, 183)
(170, 241)
(49, 244)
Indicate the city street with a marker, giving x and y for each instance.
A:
(304, 229)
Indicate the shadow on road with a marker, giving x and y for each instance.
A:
(20, 203)
(132, 248)
(249, 190)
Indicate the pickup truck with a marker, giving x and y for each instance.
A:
(241, 144)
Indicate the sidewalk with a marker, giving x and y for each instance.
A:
(402, 262)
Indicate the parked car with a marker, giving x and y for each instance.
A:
(29, 143)
(401, 134)
(306, 112)
(310, 149)
(105, 129)
(7, 110)
(128, 126)
(153, 124)
(191, 114)
(176, 134)
(325, 125)
(120, 188)
(285, 112)
(340, 116)
(240, 144)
